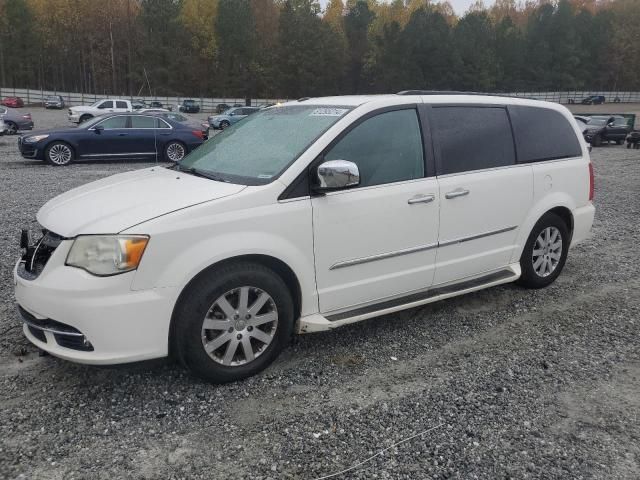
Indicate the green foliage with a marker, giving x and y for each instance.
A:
(290, 48)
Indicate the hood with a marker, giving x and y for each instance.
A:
(116, 203)
(51, 131)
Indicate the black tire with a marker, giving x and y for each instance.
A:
(628, 144)
(636, 146)
(85, 117)
(597, 141)
(619, 142)
(174, 151)
(530, 278)
(199, 298)
(224, 124)
(59, 154)
(12, 128)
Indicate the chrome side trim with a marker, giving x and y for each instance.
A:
(476, 237)
(116, 154)
(421, 248)
(382, 256)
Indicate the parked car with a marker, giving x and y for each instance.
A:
(222, 107)
(138, 104)
(15, 120)
(605, 129)
(12, 102)
(633, 139)
(302, 218)
(54, 101)
(112, 136)
(593, 100)
(155, 104)
(204, 127)
(189, 106)
(231, 116)
(111, 105)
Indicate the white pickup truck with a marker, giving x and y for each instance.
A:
(109, 105)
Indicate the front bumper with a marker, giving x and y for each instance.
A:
(30, 150)
(74, 117)
(121, 325)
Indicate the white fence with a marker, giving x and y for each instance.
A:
(35, 97)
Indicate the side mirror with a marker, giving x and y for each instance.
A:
(98, 129)
(336, 175)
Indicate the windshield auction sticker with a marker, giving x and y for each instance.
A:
(328, 112)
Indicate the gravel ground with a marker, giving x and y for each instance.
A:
(507, 382)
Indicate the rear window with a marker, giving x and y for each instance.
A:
(543, 134)
(472, 138)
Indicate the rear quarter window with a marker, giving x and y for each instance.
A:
(543, 134)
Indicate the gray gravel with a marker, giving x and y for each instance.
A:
(517, 383)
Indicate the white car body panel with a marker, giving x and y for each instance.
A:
(75, 113)
(195, 223)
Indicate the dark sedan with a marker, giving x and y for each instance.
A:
(605, 129)
(121, 136)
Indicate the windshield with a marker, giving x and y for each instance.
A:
(54, 99)
(259, 148)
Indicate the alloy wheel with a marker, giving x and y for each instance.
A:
(175, 152)
(547, 251)
(60, 154)
(239, 326)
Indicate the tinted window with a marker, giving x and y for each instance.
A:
(472, 138)
(114, 122)
(387, 148)
(124, 104)
(142, 122)
(161, 123)
(543, 134)
(106, 105)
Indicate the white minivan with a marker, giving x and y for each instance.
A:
(304, 217)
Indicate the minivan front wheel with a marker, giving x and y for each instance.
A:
(233, 322)
(545, 252)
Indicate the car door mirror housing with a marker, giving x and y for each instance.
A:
(336, 175)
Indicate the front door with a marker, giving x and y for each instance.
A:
(484, 195)
(378, 240)
(106, 142)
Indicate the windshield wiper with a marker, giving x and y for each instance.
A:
(202, 173)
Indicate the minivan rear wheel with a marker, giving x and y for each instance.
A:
(545, 252)
(232, 322)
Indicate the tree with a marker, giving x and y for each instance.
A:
(356, 24)
(236, 39)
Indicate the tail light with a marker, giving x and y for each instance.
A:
(592, 182)
(198, 133)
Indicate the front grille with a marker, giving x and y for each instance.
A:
(36, 258)
(39, 334)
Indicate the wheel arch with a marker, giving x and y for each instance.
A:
(275, 264)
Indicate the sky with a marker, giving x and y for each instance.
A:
(460, 6)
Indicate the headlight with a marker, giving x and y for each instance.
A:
(35, 138)
(105, 255)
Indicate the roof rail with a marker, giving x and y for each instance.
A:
(454, 92)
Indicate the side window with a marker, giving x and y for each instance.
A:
(142, 122)
(114, 122)
(543, 134)
(161, 123)
(107, 104)
(472, 138)
(387, 148)
(121, 105)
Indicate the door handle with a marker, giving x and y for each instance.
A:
(122, 134)
(421, 199)
(459, 192)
